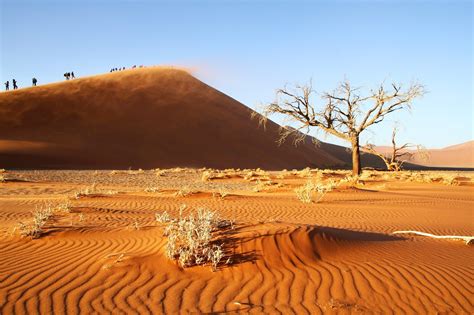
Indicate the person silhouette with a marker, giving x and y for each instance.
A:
(7, 85)
(72, 75)
(14, 84)
(34, 81)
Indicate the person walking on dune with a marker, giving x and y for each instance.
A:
(34, 81)
(14, 84)
(72, 75)
(7, 85)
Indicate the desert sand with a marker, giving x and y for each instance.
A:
(105, 254)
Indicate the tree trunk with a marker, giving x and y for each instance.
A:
(356, 169)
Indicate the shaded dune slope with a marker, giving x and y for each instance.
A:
(154, 117)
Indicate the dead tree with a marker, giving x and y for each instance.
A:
(344, 113)
(399, 154)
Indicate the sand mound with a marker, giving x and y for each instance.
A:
(154, 117)
(456, 156)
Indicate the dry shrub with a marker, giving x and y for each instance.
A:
(93, 190)
(152, 189)
(41, 215)
(312, 192)
(208, 175)
(262, 185)
(160, 172)
(137, 172)
(185, 191)
(192, 239)
(87, 191)
(221, 193)
(258, 174)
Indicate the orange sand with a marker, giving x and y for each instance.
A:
(288, 257)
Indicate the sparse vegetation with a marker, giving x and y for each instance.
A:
(221, 193)
(35, 228)
(312, 192)
(191, 240)
(185, 191)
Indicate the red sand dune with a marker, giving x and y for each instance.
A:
(154, 117)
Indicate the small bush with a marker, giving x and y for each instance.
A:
(311, 192)
(191, 239)
(35, 229)
(185, 191)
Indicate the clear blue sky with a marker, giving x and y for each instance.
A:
(247, 49)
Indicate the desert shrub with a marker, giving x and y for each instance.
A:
(211, 174)
(137, 172)
(450, 180)
(185, 191)
(87, 191)
(262, 185)
(221, 193)
(304, 173)
(34, 229)
(160, 172)
(311, 192)
(191, 240)
(152, 189)
(305, 192)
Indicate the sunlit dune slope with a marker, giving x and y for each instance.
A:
(460, 155)
(153, 117)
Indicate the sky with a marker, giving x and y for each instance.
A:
(248, 49)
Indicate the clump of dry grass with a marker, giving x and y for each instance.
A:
(262, 185)
(93, 190)
(221, 193)
(41, 215)
(35, 228)
(137, 172)
(191, 240)
(152, 189)
(314, 192)
(305, 192)
(185, 191)
(160, 172)
(254, 175)
(208, 175)
(87, 191)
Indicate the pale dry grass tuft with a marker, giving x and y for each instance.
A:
(191, 239)
(314, 192)
(185, 191)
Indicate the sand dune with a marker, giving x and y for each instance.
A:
(287, 257)
(460, 155)
(154, 117)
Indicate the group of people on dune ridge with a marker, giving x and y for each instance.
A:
(67, 75)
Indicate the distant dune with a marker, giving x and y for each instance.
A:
(152, 117)
(460, 155)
